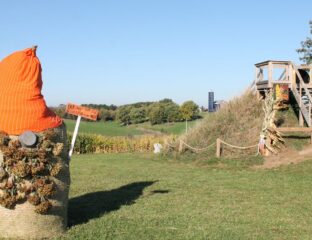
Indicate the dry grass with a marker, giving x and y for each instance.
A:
(95, 143)
(238, 123)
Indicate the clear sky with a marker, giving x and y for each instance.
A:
(117, 52)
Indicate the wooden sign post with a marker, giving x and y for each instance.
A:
(79, 111)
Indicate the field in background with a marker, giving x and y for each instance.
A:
(166, 128)
(102, 128)
(137, 196)
(114, 128)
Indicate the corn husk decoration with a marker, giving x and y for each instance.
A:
(26, 174)
(273, 138)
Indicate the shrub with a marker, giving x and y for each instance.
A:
(123, 115)
(156, 114)
(138, 115)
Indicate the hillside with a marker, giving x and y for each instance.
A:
(239, 123)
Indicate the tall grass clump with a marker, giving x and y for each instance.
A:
(238, 123)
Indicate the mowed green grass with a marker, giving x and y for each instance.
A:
(172, 128)
(102, 128)
(135, 196)
(168, 128)
(115, 129)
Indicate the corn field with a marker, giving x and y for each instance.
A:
(93, 143)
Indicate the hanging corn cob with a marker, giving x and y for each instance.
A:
(273, 138)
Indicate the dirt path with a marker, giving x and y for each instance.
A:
(150, 131)
(287, 157)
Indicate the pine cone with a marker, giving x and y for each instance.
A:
(35, 170)
(55, 169)
(21, 169)
(49, 134)
(46, 144)
(33, 199)
(20, 196)
(8, 201)
(58, 148)
(39, 182)
(47, 190)
(10, 161)
(3, 173)
(31, 153)
(9, 183)
(8, 151)
(4, 138)
(14, 144)
(43, 207)
(18, 154)
(42, 155)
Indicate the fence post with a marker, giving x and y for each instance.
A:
(180, 146)
(218, 151)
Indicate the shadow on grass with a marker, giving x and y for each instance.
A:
(94, 205)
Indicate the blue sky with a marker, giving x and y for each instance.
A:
(118, 52)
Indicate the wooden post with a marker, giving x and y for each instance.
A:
(270, 75)
(256, 75)
(180, 146)
(301, 122)
(218, 151)
(309, 124)
(186, 126)
(260, 74)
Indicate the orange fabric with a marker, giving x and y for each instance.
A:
(22, 106)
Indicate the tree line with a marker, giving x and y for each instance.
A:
(163, 111)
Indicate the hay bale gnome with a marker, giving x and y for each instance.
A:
(34, 171)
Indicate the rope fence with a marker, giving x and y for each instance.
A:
(193, 148)
(218, 144)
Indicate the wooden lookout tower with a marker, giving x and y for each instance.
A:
(296, 78)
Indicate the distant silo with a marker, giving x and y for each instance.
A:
(211, 102)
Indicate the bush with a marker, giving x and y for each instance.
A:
(172, 113)
(123, 115)
(156, 114)
(138, 115)
(107, 115)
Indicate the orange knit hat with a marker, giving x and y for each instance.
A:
(22, 106)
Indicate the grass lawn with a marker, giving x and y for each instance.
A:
(102, 128)
(136, 196)
(114, 129)
(167, 128)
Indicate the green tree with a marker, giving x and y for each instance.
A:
(107, 115)
(172, 112)
(156, 114)
(306, 49)
(123, 115)
(166, 101)
(189, 110)
(138, 115)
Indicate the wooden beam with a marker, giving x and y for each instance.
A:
(270, 74)
(294, 129)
